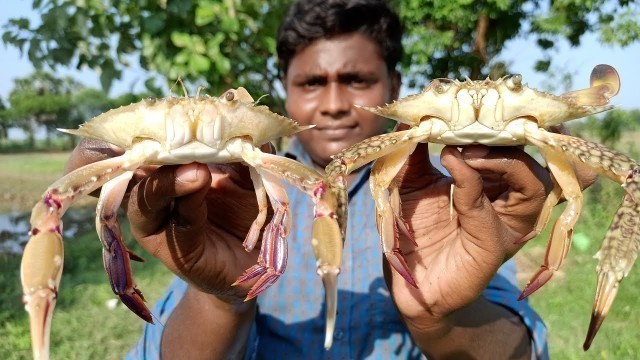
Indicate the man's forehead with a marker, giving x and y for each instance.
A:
(352, 52)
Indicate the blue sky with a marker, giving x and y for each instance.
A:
(520, 53)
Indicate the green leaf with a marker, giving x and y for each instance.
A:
(205, 14)
(181, 39)
(223, 65)
(542, 65)
(199, 63)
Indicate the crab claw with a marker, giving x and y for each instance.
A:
(617, 255)
(115, 255)
(328, 253)
(41, 270)
(607, 290)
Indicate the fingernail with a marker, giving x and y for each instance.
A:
(474, 152)
(187, 173)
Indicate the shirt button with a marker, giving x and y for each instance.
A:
(338, 335)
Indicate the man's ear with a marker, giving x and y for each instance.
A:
(396, 82)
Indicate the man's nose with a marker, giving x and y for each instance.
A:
(335, 100)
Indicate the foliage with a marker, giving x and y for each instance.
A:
(461, 38)
(220, 43)
(41, 99)
(5, 120)
(231, 43)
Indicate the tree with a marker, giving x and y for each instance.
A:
(5, 121)
(231, 43)
(461, 38)
(41, 99)
(221, 44)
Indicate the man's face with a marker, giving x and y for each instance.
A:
(325, 80)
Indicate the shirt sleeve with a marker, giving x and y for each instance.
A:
(148, 347)
(503, 290)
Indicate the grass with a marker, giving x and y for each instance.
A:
(83, 327)
(26, 176)
(564, 303)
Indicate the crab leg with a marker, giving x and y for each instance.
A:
(115, 255)
(261, 195)
(272, 260)
(562, 232)
(622, 241)
(328, 225)
(391, 151)
(43, 255)
(545, 214)
(388, 219)
(616, 256)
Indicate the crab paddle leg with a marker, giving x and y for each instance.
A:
(43, 255)
(115, 255)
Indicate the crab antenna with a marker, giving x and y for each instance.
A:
(184, 88)
(201, 87)
(178, 80)
(260, 98)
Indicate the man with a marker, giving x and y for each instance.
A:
(334, 54)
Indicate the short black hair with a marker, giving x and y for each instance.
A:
(310, 20)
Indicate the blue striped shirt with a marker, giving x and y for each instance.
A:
(290, 319)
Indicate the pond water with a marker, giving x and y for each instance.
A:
(14, 227)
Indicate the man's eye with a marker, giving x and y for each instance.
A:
(359, 83)
(312, 83)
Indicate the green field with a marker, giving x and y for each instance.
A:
(84, 328)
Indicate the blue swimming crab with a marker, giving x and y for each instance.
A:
(507, 112)
(229, 128)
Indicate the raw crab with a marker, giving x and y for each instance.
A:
(507, 112)
(179, 131)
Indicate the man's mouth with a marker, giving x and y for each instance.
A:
(335, 131)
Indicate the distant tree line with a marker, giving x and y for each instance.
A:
(42, 100)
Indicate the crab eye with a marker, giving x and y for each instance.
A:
(440, 86)
(229, 96)
(514, 83)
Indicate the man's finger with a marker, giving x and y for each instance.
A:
(514, 167)
(152, 199)
(418, 169)
(471, 204)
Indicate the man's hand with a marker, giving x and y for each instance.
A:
(172, 217)
(498, 194)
